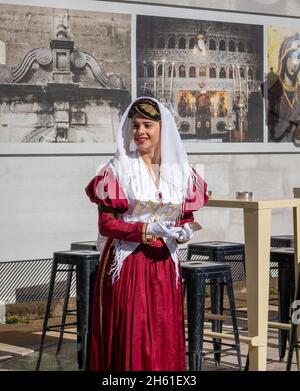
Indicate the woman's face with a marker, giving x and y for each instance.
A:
(145, 133)
(292, 63)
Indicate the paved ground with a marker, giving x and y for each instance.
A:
(19, 344)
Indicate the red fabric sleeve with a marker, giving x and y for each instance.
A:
(115, 228)
(195, 199)
(104, 190)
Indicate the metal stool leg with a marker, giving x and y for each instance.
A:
(83, 295)
(47, 312)
(65, 309)
(293, 337)
(217, 292)
(284, 294)
(293, 341)
(234, 318)
(196, 309)
(247, 363)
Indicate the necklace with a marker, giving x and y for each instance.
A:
(288, 87)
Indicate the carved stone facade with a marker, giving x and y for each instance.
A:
(60, 92)
(180, 60)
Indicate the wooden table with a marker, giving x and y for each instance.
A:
(257, 228)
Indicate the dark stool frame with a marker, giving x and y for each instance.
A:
(196, 275)
(294, 342)
(230, 253)
(86, 263)
(284, 258)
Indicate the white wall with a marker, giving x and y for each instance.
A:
(43, 207)
(279, 7)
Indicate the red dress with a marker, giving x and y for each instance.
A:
(138, 321)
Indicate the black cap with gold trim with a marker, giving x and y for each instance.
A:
(145, 107)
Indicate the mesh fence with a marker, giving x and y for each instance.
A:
(28, 280)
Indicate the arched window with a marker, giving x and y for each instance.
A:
(212, 72)
(202, 71)
(222, 45)
(191, 43)
(230, 73)
(182, 71)
(2, 53)
(170, 71)
(231, 46)
(250, 74)
(160, 43)
(222, 73)
(241, 47)
(250, 47)
(192, 72)
(150, 70)
(182, 43)
(242, 72)
(212, 44)
(171, 43)
(159, 70)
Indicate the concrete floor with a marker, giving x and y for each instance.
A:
(19, 344)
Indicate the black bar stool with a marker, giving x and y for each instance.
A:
(284, 259)
(294, 342)
(86, 245)
(86, 263)
(224, 252)
(196, 275)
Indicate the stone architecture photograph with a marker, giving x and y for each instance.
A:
(65, 75)
(208, 73)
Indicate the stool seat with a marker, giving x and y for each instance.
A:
(218, 251)
(216, 244)
(196, 275)
(203, 267)
(86, 245)
(86, 263)
(282, 241)
(282, 252)
(75, 257)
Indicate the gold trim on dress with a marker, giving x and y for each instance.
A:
(101, 287)
(145, 240)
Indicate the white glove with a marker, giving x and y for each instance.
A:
(163, 230)
(185, 234)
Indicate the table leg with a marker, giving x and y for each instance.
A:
(296, 214)
(257, 226)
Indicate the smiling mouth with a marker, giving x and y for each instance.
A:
(141, 139)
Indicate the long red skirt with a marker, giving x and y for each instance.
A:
(138, 321)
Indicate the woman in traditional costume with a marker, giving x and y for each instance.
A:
(146, 195)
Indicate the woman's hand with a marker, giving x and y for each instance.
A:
(163, 230)
(185, 234)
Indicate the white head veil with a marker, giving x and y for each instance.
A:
(174, 168)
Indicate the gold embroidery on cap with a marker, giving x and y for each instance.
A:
(149, 109)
